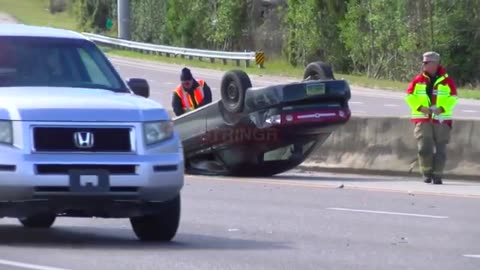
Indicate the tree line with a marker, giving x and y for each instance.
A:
(379, 38)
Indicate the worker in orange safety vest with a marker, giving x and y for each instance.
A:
(190, 94)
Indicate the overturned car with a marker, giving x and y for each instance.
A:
(263, 131)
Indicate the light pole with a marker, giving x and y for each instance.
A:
(123, 8)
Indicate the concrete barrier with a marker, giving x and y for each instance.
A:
(387, 146)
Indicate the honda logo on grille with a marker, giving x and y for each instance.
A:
(83, 139)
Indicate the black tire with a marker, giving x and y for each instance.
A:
(233, 87)
(38, 221)
(318, 71)
(160, 227)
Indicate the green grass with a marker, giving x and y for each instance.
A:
(36, 12)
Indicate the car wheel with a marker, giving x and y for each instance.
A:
(318, 71)
(161, 226)
(38, 221)
(233, 87)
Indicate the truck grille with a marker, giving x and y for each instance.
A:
(74, 139)
(123, 169)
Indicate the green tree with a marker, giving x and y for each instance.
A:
(92, 14)
(379, 38)
(148, 21)
(313, 33)
(229, 21)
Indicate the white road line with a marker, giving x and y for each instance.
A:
(469, 111)
(386, 213)
(358, 112)
(355, 102)
(28, 266)
(472, 256)
(391, 105)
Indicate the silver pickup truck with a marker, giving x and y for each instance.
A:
(76, 140)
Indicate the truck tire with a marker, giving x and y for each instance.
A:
(160, 227)
(233, 87)
(38, 221)
(318, 71)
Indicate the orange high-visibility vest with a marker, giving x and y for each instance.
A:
(187, 103)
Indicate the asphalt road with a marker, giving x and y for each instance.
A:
(365, 102)
(287, 222)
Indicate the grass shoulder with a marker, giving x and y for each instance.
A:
(36, 12)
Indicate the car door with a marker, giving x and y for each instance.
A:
(192, 129)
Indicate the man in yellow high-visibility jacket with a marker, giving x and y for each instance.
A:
(432, 96)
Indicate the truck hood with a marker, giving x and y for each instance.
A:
(76, 104)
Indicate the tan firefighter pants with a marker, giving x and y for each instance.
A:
(432, 140)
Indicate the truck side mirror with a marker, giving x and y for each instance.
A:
(139, 87)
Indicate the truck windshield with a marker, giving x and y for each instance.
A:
(55, 62)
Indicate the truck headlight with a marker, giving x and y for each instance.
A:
(6, 132)
(158, 131)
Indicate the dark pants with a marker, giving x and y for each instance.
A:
(432, 140)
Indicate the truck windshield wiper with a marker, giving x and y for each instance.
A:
(93, 86)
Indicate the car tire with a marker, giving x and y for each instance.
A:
(162, 226)
(318, 71)
(38, 221)
(233, 87)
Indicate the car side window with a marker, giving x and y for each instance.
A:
(95, 73)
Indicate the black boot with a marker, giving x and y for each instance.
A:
(437, 180)
(427, 177)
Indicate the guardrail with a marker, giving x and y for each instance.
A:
(168, 51)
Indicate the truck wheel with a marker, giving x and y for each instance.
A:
(233, 87)
(160, 227)
(318, 71)
(38, 221)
